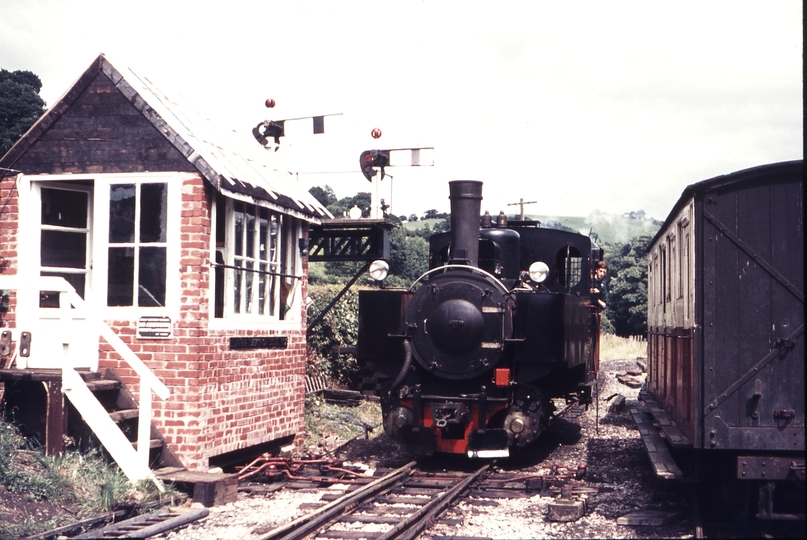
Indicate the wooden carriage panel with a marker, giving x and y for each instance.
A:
(748, 304)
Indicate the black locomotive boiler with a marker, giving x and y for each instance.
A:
(468, 359)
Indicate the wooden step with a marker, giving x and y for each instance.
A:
(660, 456)
(153, 443)
(210, 489)
(99, 385)
(125, 414)
(672, 433)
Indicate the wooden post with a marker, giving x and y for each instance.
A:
(54, 419)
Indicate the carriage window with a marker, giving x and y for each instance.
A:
(664, 276)
(257, 262)
(569, 264)
(673, 269)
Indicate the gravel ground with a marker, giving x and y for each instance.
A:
(610, 447)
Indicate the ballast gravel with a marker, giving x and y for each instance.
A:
(607, 442)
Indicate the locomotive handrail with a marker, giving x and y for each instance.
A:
(460, 267)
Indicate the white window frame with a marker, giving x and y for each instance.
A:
(288, 260)
(96, 286)
(103, 186)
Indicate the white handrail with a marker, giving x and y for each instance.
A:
(148, 381)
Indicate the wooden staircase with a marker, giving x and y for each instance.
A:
(55, 354)
(34, 400)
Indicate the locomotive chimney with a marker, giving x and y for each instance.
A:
(466, 200)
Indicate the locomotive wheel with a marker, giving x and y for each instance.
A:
(527, 417)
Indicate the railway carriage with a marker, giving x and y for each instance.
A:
(726, 329)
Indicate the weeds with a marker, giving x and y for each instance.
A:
(83, 483)
(613, 347)
(324, 420)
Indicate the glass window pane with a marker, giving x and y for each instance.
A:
(250, 235)
(262, 290)
(153, 201)
(264, 232)
(64, 249)
(120, 279)
(64, 208)
(151, 277)
(237, 289)
(274, 233)
(51, 298)
(121, 213)
(238, 217)
(272, 295)
(248, 292)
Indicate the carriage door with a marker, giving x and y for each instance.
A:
(65, 251)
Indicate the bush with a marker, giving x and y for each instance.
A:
(339, 328)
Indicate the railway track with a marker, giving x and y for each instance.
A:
(399, 505)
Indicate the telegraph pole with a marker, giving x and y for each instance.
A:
(521, 203)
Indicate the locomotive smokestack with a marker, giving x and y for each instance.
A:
(466, 200)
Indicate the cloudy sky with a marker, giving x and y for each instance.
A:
(580, 106)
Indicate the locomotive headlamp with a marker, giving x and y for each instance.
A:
(538, 271)
(378, 270)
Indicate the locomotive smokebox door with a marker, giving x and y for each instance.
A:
(459, 322)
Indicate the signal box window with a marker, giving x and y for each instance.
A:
(137, 244)
(256, 262)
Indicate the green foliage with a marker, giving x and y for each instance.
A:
(324, 195)
(409, 255)
(86, 482)
(613, 347)
(20, 105)
(626, 286)
(325, 420)
(340, 208)
(24, 470)
(339, 328)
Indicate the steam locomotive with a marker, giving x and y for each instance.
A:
(468, 359)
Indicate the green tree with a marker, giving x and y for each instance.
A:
(409, 256)
(324, 194)
(626, 286)
(20, 105)
(341, 207)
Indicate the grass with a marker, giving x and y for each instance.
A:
(323, 420)
(613, 347)
(77, 485)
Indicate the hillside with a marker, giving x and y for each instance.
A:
(609, 228)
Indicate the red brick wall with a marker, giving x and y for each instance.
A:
(221, 400)
(9, 215)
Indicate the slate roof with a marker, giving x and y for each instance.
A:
(233, 162)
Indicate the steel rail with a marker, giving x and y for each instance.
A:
(307, 524)
(413, 525)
